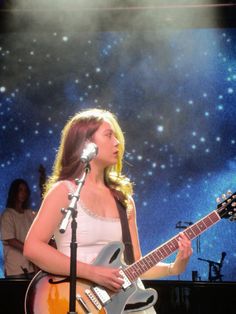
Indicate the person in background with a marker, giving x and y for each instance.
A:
(15, 222)
(105, 190)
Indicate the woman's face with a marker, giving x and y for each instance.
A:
(22, 193)
(107, 144)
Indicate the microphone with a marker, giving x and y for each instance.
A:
(89, 152)
(223, 254)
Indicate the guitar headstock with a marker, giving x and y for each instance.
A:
(227, 206)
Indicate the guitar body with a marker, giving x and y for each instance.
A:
(49, 294)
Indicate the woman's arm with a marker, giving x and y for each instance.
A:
(161, 269)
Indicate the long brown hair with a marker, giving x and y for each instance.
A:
(13, 194)
(76, 132)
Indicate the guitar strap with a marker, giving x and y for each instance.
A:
(126, 237)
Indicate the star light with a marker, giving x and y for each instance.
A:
(160, 128)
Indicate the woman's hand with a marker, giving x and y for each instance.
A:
(107, 277)
(185, 248)
(185, 251)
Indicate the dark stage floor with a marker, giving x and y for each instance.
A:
(175, 297)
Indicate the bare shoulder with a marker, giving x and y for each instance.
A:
(60, 189)
(60, 186)
(56, 198)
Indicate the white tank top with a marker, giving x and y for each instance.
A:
(93, 233)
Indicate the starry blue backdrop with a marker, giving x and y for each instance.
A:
(174, 92)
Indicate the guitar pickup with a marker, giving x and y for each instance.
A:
(101, 294)
(126, 283)
(93, 299)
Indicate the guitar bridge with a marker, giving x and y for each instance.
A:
(83, 304)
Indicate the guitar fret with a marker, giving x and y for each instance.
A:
(149, 261)
(139, 267)
(215, 217)
(207, 221)
(133, 276)
(172, 246)
(144, 264)
(189, 233)
(153, 259)
(131, 273)
(163, 252)
(158, 255)
(202, 226)
(175, 244)
(193, 231)
(128, 274)
(167, 249)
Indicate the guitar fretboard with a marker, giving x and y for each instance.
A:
(138, 268)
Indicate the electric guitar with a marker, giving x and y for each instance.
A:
(49, 294)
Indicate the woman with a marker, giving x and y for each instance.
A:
(15, 223)
(98, 215)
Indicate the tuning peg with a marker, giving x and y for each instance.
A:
(218, 200)
(233, 217)
(233, 204)
(223, 196)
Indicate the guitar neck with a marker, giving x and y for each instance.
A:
(148, 261)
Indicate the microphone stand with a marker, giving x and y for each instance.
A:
(72, 212)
